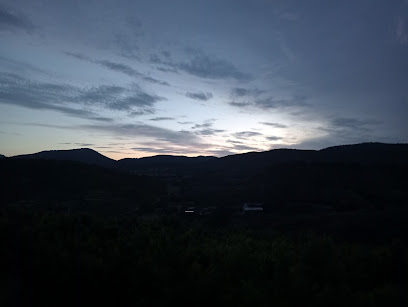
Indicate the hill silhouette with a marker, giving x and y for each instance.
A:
(164, 164)
(288, 182)
(2, 156)
(348, 176)
(362, 154)
(365, 154)
(83, 155)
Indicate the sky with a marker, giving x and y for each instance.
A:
(212, 77)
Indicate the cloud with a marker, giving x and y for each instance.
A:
(102, 119)
(17, 91)
(10, 133)
(153, 80)
(158, 140)
(156, 150)
(46, 125)
(206, 149)
(72, 100)
(239, 146)
(243, 92)
(209, 131)
(185, 138)
(78, 144)
(118, 67)
(245, 147)
(185, 123)
(126, 39)
(204, 125)
(240, 104)
(275, 125)
(120, 99)
(140, 112)
(203, 66)
(273, 103)
(162, 118)
(206, 128)
(114, 66)
(166, 53)
(78, 56)
(155, 59)
(21, 67)
(125, 69)
(222, 152)
(11, 20)
(200, 96)
(273, 138)
(344, 130)
(246, 134)
(167, 69)
(126, 48)
(234, 142)
(354, 124)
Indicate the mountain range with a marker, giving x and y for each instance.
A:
(348, 176)
(365, 153)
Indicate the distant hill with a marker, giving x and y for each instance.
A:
(343, 177)
(84, 155)
(365, 153)
(164, 164)
(370, 174)
(2, 156)
(239, 164)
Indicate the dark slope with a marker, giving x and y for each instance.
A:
(164, 164)
(83, 187)
(342, 176)
(255, 161)
(240, 164)
(361, 175)
(2, 156)
(83, 155)
(366, 153)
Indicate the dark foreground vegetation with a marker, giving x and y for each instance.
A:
(59, 259)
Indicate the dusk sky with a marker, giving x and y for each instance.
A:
(187, 77)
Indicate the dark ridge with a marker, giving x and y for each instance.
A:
(366, 153)
(2, 156)
(165, 162)
(246, 163)
(83, 155)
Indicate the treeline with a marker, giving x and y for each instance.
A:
(58, 259)
(51, 182)
(343, 186)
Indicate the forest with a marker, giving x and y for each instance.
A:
(60, 259)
